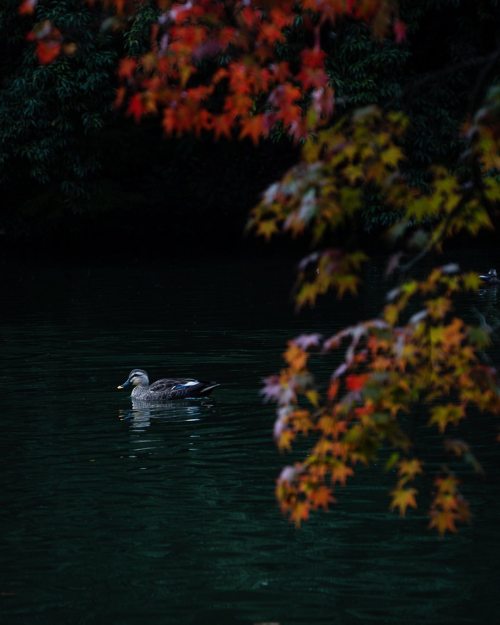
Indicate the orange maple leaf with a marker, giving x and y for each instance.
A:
(254, 128)
(295, 356)
(126, 67)
(333, 390)
(321, 497)
(443, 520)
(270, 33)
(340, 472)
(222, 126)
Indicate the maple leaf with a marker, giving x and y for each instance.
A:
(295, 356)
(391, 314)
(403, 498)
(346, 283)
(340, 472)
(409, 468)
(321, 497)
(443, 415)
(323, 447)
(126, 67)
(356, 383)
(333, 389)
(301, 420)
(391, 156)
(300, 512)
(27, 7)
(267, 228)
(307, 294)
(285, 440)
(169, 120)
(313, 57)
(47, 51)
(447, 484)
(254, 127)
(120, 97)
(443, 520)
(222, 125)
(471, 281)
(438, 307)
(313, 396)
(136, 107)
(270, 33)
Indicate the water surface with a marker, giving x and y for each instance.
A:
(120, 514)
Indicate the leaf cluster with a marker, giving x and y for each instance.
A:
(428, 364)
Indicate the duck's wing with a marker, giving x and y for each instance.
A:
(166, 384)
(177, 388)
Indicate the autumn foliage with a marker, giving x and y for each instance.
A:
(222, 67)
(390, 368)
(246, 69)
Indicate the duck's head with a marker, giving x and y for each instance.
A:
(137, 377)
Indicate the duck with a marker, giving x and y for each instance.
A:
(490, 277)
(166, 388)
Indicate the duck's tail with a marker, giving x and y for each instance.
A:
(206, 390)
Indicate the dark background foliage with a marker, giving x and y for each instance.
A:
(74, 171)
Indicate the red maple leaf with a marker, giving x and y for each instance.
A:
(356, 382)
(136, 107)
(47, 51)
(27, 7)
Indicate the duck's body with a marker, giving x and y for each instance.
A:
(490, 277)
(167, 388)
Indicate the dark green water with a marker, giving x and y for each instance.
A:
(119, 516)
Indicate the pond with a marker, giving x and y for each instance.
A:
(116, 514)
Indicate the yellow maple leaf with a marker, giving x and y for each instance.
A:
(267, 228)
(438, 307)
(313, 396)
(285, 440)
(443, 415)
(403, 498)
(300, 512)
(471, 281)
(391, 314)
(340, 472)
(345, 283)
(307, 294)
(409, 468)
(392, 156)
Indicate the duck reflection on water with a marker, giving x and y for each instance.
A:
(143, 412)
